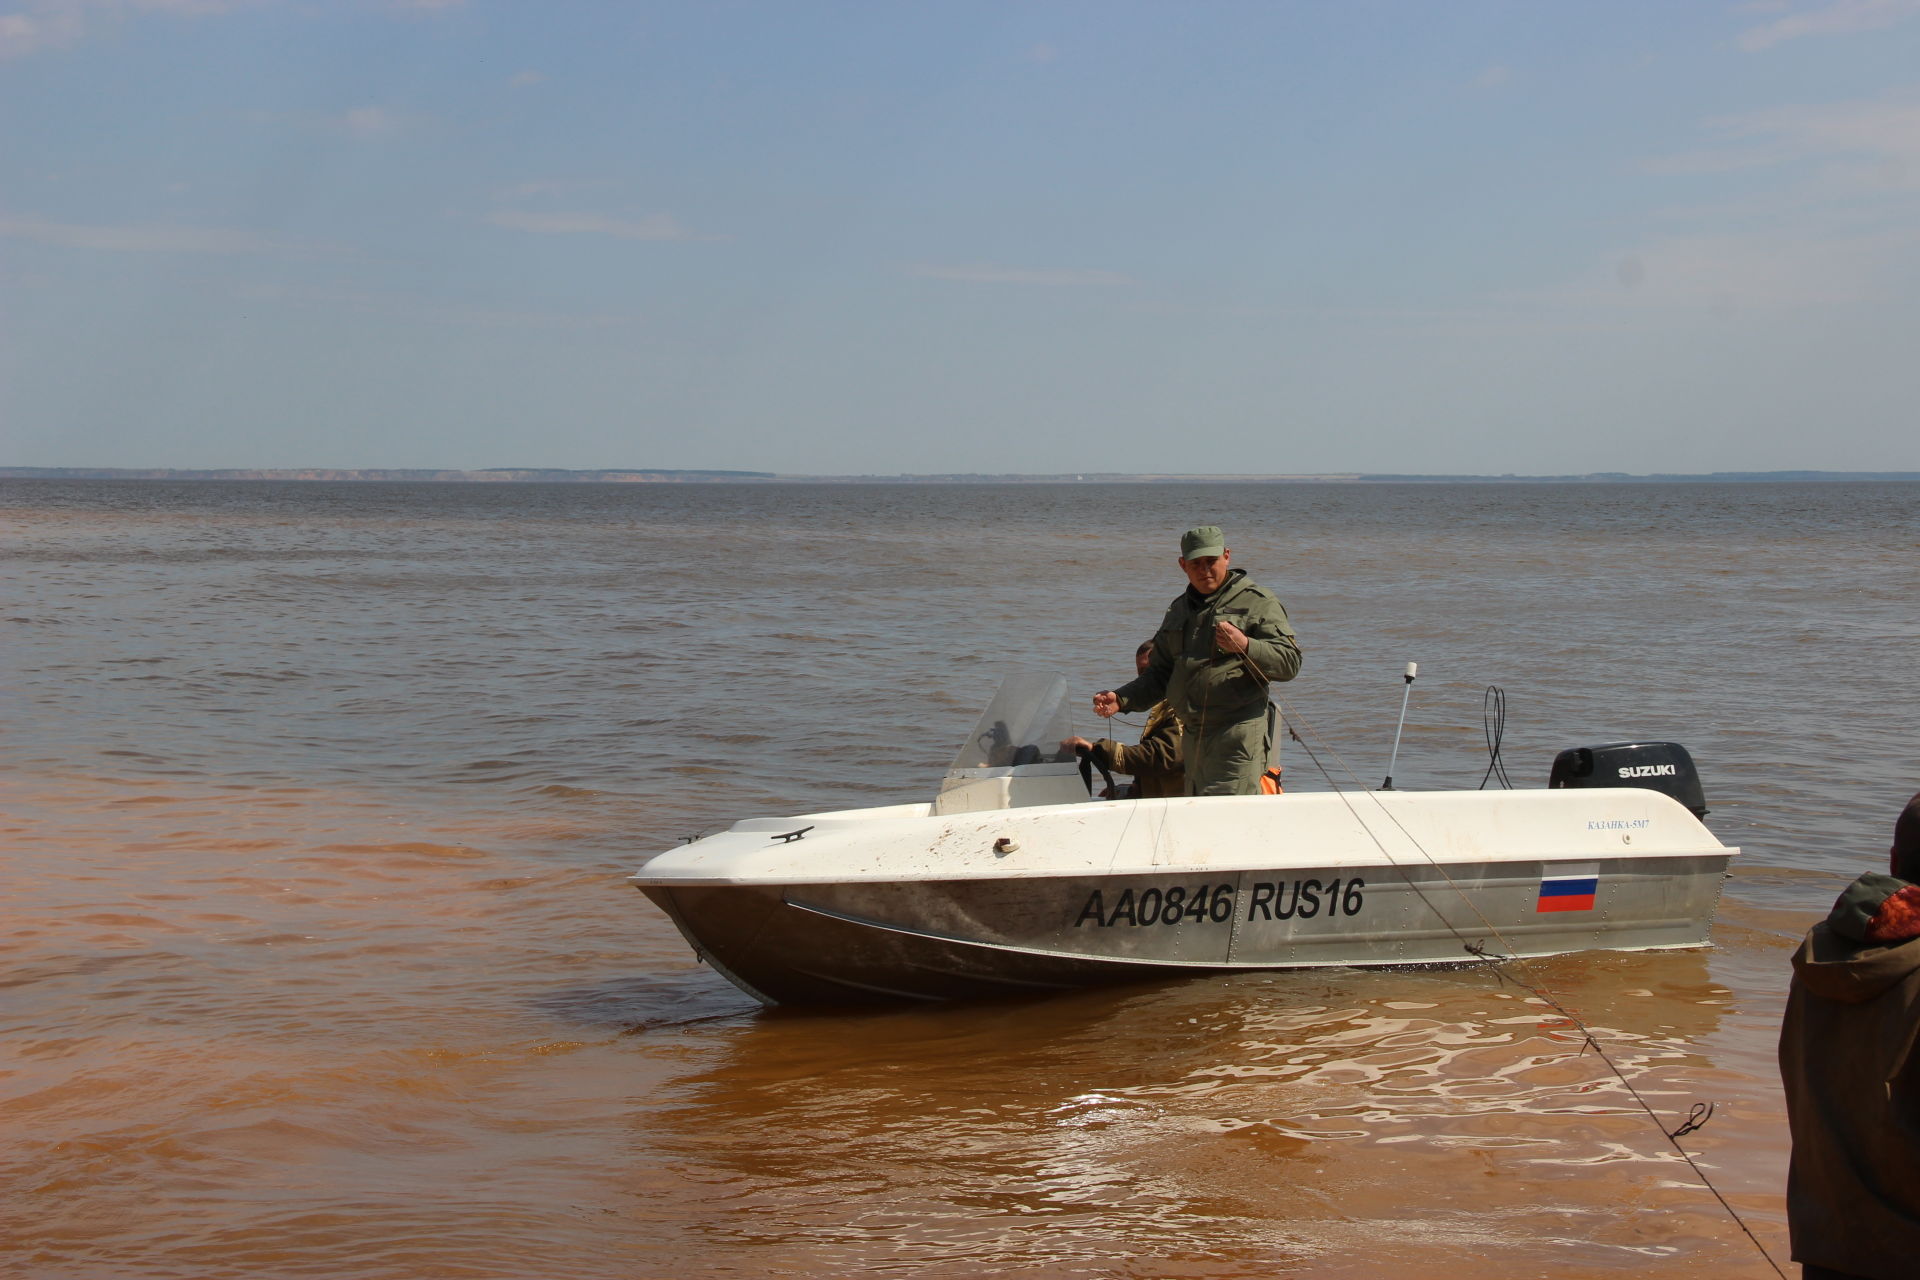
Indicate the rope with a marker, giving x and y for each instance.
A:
(1502, 968)
(1697, 1115)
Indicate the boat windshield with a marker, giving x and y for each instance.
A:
(1024, 724)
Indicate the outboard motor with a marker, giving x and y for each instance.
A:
(1658, 766)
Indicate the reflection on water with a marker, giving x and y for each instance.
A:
(1215, 1125)
(316, 804)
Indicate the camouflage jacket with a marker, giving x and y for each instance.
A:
(1206, 687)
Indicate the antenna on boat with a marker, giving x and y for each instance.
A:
(1413, 669)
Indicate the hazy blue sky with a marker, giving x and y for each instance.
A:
(1024, 236)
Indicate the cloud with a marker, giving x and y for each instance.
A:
(181, 8)
(1887, 128)
(151, 238)
(55, 24)
(45, 26)
(1766, 271)
(1838, 225)
(544, 188)
(39, 25)
(367, 122)
(1713, 160)
(987, 274)
(437, 311)
(1883, 132)
(1493, 77)
(526, 79)
(1843, 17)
(658, 227)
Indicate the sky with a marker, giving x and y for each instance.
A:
(1005, 236)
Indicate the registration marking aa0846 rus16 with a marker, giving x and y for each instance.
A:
(1203, 904)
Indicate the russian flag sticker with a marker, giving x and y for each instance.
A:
(1569, 888)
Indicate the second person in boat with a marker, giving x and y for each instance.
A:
(1155, 762)
(1222, 642)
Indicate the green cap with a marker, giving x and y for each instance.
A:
(1207, 540)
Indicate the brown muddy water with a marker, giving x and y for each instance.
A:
(316, 804)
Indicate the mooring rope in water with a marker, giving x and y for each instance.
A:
(1697, 1115)
(1502, 968)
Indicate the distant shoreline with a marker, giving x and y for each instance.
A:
(554, 475)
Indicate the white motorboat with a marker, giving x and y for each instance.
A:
(1015, 878)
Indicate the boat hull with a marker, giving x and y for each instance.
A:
(935, 939)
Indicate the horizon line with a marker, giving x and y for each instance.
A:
(689, 475)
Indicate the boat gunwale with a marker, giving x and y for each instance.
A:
(1170, 870)
(896, 843)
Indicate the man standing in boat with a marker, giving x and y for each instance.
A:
(1223, 641)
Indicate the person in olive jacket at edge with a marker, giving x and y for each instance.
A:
(1851, 1068)
(1223, 640)
(1155, 762)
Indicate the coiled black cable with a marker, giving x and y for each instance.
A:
(1493, 721)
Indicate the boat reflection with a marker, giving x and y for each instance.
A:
(1229, 1122)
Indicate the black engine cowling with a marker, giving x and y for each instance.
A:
(1658, 766)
